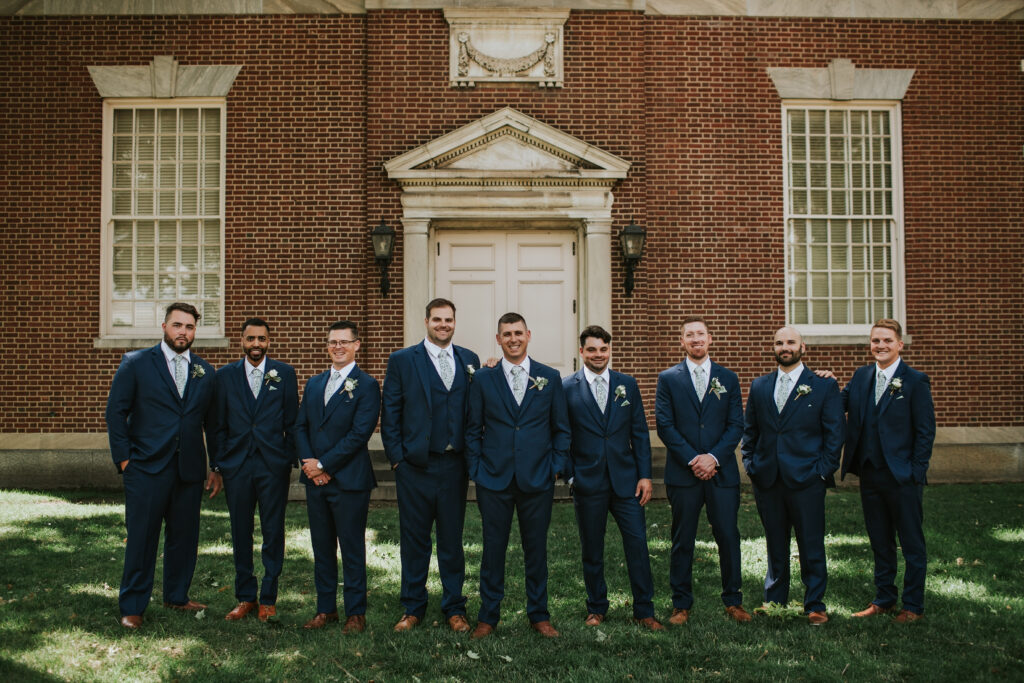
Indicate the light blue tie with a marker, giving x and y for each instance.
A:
(332, 386)
(879, 385)
(600, 392)
(254, 382)
(179, 375)
(783, 393)
(699, 384)
(518, 383)
(447, 372)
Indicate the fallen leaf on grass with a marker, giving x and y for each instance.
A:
(472, 655)
(601, 636)
(505, 657)
(201, 614)
(959, 561)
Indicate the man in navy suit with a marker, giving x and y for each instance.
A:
(792, 438)
(889, 435)
(422, 425)
(160, 402)
(336, 420)
(699, 414)
(257, 403)
(611, 464)
(517, 443)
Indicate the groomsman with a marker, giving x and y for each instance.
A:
(160, 401)
(517, 442)
(792, 439)
(336, 420)
(257, 404)
(699, 414)
(611, 463)
(422, 425)
(889, 437)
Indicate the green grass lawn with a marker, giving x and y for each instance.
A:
(60, 565)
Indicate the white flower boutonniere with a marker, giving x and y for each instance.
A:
(539, 383)
(802, 390)
(470, 371)
(620, 393)
(896, 384)
(717, 389)
(271, 376)
(350, 386)
(197, 371)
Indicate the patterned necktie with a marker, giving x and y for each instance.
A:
(699, 384)
(179, 375)
(332, 386)
(783, 392)
(518, 383)
(879, 385)
(444, 365)
(600, 392)
(254, 382)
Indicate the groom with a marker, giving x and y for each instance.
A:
(160, 401)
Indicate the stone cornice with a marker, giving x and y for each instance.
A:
(965, 10)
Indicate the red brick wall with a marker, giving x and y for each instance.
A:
(322, 102)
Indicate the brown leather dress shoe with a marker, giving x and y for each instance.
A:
(240, 610)
(132, 621)
(482, 630)
(321, 620)
(458, 623)
(354, 624)
(906, 616)
(190, 606)
(817, 618)
(650, 623)
(872, 610)
(737, 613)
(679, 616)
(544, 628)
(406, 623)
(266, 612)
(593, 619)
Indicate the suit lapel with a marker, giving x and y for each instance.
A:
(587, 397)
(265, 385)
(888, 396)
(688, 388)
(611, 410)
(528, 396)
(339, 395)
(504, 390)
(421, 359)
(794, 399)
(161, 369)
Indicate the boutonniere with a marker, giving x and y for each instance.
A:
(197, 371)
(539, 383)
(350, 386)
(717, 389)
(896, 384)
(802, 390)
(620, 393)
(470, 371)
(271, 376)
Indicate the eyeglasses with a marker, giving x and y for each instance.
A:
(335, 343)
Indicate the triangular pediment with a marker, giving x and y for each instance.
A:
(507, 145)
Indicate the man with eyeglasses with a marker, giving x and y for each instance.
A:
(336, 419)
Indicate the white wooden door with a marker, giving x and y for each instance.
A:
(489, 273)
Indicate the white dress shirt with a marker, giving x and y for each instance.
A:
(432, 351)
(506, 367)
(706, 365)
(889, 372)
(794, 377)
(606, 376)
(169, 355)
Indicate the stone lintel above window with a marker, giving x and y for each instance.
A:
(840, 80)
(164, 78)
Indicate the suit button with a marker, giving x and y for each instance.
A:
(517, 428)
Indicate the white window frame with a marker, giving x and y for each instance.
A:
(852, 332)
(133, 336)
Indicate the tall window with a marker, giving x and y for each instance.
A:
(164, 212)
(843, 216)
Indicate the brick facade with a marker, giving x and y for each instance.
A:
(321, 102)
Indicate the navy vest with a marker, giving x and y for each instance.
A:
(869, 448)
(447, 410)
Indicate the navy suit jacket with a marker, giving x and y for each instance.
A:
(246, 425)
(616, 441)
(688, 428)
(800, 444)
(337, 434)
(405, 422)
(528, 441)
(906, 422)
(147, 422)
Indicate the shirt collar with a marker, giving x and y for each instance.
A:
(345, 371)
(590, 375)
(691, 366)
(433, 349)
(249, 366)
(507, 367)
(794, 374)
(170, 353)
(889, 371)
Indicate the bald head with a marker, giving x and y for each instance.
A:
(788, 348)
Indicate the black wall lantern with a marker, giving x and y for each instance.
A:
(632, 239)
(383, 238)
